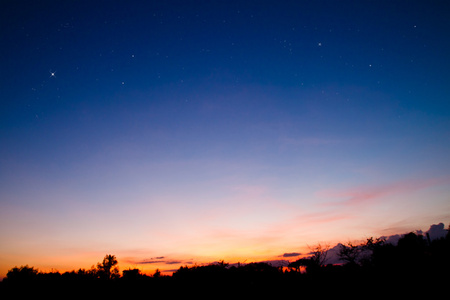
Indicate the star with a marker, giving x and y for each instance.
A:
(52, 74)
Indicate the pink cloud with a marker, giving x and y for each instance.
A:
(309, 224)
(368, 194)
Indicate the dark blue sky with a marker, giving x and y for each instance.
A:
(105, 53)
(170, 111)
(97, 45)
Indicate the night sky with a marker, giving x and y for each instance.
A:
(170, 133)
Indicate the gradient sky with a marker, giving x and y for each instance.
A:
(177, 132)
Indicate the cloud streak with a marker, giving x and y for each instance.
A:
(157, 260)
(307, 223)
(293, 254)
(369, 194)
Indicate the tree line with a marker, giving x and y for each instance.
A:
(374, 263)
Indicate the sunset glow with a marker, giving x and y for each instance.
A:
(173, 133)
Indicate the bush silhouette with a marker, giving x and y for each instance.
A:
(23, 273)
(374, 263)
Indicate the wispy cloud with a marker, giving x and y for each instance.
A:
(368, 194)
(156, 260)
(309, 224)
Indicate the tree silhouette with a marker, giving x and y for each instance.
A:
(315, 261)
(157, 273)
(319, 255)
(349, 253)
(24, 273)
(374, 263)
(133, 274)
(302, 262)
(108, 268)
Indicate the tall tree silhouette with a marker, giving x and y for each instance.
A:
(108, 268)
(319, 254)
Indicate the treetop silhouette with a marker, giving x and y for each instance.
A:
(372, 263)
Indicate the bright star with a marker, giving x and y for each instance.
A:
(52, 74)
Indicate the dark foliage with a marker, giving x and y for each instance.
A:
(415, 265)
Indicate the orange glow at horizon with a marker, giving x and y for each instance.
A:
(166, 265)
(251, 131)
